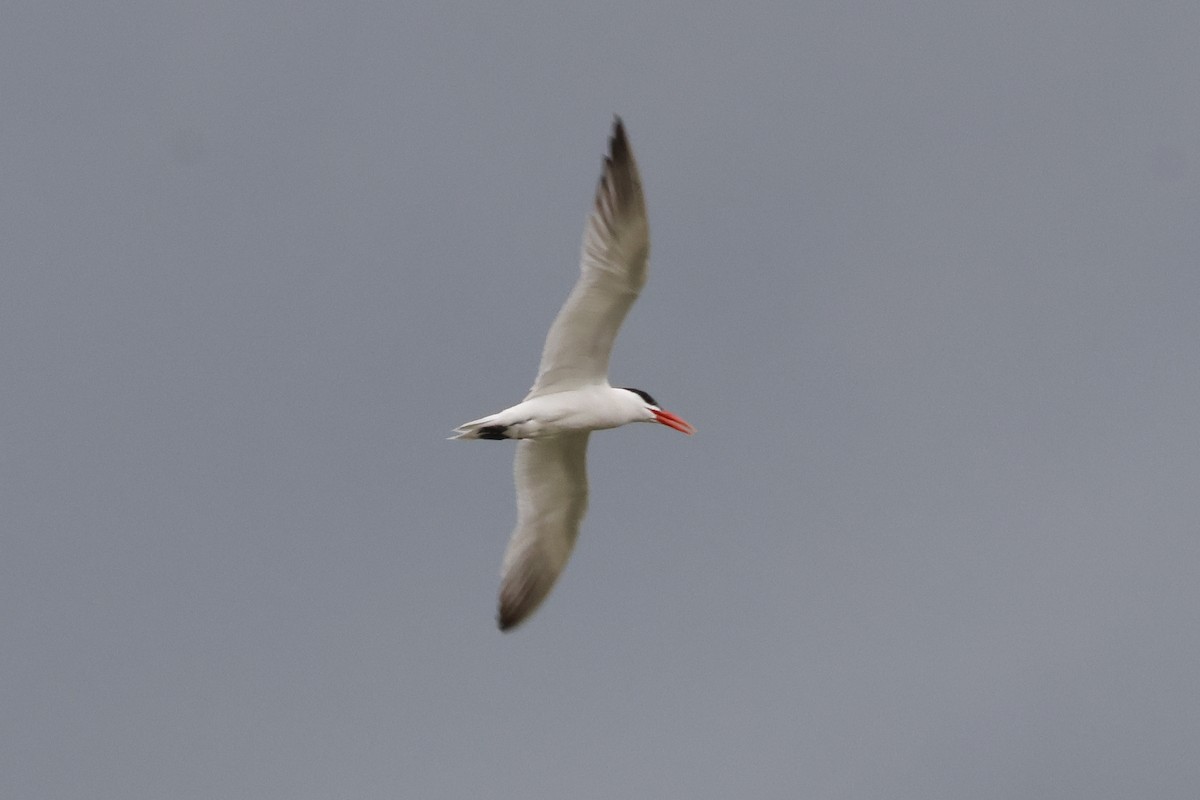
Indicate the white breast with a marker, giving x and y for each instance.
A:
(588, 409)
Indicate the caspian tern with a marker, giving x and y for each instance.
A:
(571, 396)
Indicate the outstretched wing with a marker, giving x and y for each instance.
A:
(616, 245)
(551, 478)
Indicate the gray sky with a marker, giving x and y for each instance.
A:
(925, 276)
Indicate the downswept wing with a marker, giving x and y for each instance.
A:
(551, 478)
(616, 246)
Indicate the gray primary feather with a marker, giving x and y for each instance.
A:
(616, 246)
(551, 478)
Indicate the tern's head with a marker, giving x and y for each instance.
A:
(655, 413)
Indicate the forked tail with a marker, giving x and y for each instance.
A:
(484, 428)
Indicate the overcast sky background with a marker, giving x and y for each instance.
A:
(925, 276)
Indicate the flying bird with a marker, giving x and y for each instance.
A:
(571, 396)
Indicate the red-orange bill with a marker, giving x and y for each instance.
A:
(674, 421)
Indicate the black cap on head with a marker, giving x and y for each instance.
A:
(644, 395)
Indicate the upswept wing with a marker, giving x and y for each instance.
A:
(551, 478)
(616, 246)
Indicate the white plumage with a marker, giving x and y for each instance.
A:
(571, 396)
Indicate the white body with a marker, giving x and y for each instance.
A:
(572, 396)
(590, 408)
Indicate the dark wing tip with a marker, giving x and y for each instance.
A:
(618, 143)
(522, 591)
(526, 583)
(512, 612)
(619, 184)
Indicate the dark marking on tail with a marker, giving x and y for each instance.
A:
(493, 432)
